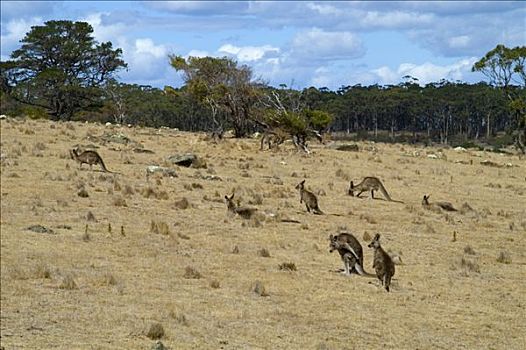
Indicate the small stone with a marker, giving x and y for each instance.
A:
(159, 346)
(40, 229)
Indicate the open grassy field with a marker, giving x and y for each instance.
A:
(175, 257)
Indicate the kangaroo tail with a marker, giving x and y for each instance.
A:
(103, 165)
(362, 272)
(384, 192)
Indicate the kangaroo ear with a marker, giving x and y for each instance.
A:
(226, 197)
(331, 237)
(302, 182)
(232, 196)
(376, 237)
(352, 184)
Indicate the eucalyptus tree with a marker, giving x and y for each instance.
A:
(505, 67)
(226, 88)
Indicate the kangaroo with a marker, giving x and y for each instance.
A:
(311, 202)
(369, 184)
(383, 264)
(437, 205)
(351, 253)
(88, 157)
(244, 212)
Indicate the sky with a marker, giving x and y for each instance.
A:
(297, 43)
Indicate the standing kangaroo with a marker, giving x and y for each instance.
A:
(383, 264)
(244, 212)
(437, 205)
(351, 253)
(309, 198)
(369, 184)
(88, 157)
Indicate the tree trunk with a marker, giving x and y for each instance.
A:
(488, 130)
(375, 126)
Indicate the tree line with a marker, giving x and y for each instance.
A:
(60, 72)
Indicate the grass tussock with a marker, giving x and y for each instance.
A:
(18, 273)
(90, 217)
(214, 284)
(468, 250)
(191, 273)
(156, 331)
(182, 203)
(108, 279)
(469, 266)
(149, 192)
(68, 283)
(42, 271)
(159, 227)
(179, 317)
(368, 218)
(260, 289)
(118, 201)
(287, 266)
(128, 190)
(504, 257)
(264, 253)
(342, 174)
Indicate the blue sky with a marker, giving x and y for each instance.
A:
(298, 43)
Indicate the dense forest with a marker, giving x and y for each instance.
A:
(60, 72)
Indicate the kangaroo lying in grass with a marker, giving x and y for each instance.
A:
(437, 205)
(244, 212)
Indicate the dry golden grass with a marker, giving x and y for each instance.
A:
(204, 279)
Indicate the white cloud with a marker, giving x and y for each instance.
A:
(248, 53)
(200, 7)
(317, 44)
(197, 53)
(395, 19)
(386, 75)
(102, 32)
(426, 72)
(14, 31)
(322, 77)
(325, 10)
(458, 42)
(147, 47)
(146, 60)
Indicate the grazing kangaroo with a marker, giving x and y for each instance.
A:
(369, 184)
(244, 212)
(383, 264)
(437, 205)
(351, 253)
(309, 198)
(88, 157)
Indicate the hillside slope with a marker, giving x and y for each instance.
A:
(174, 255)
